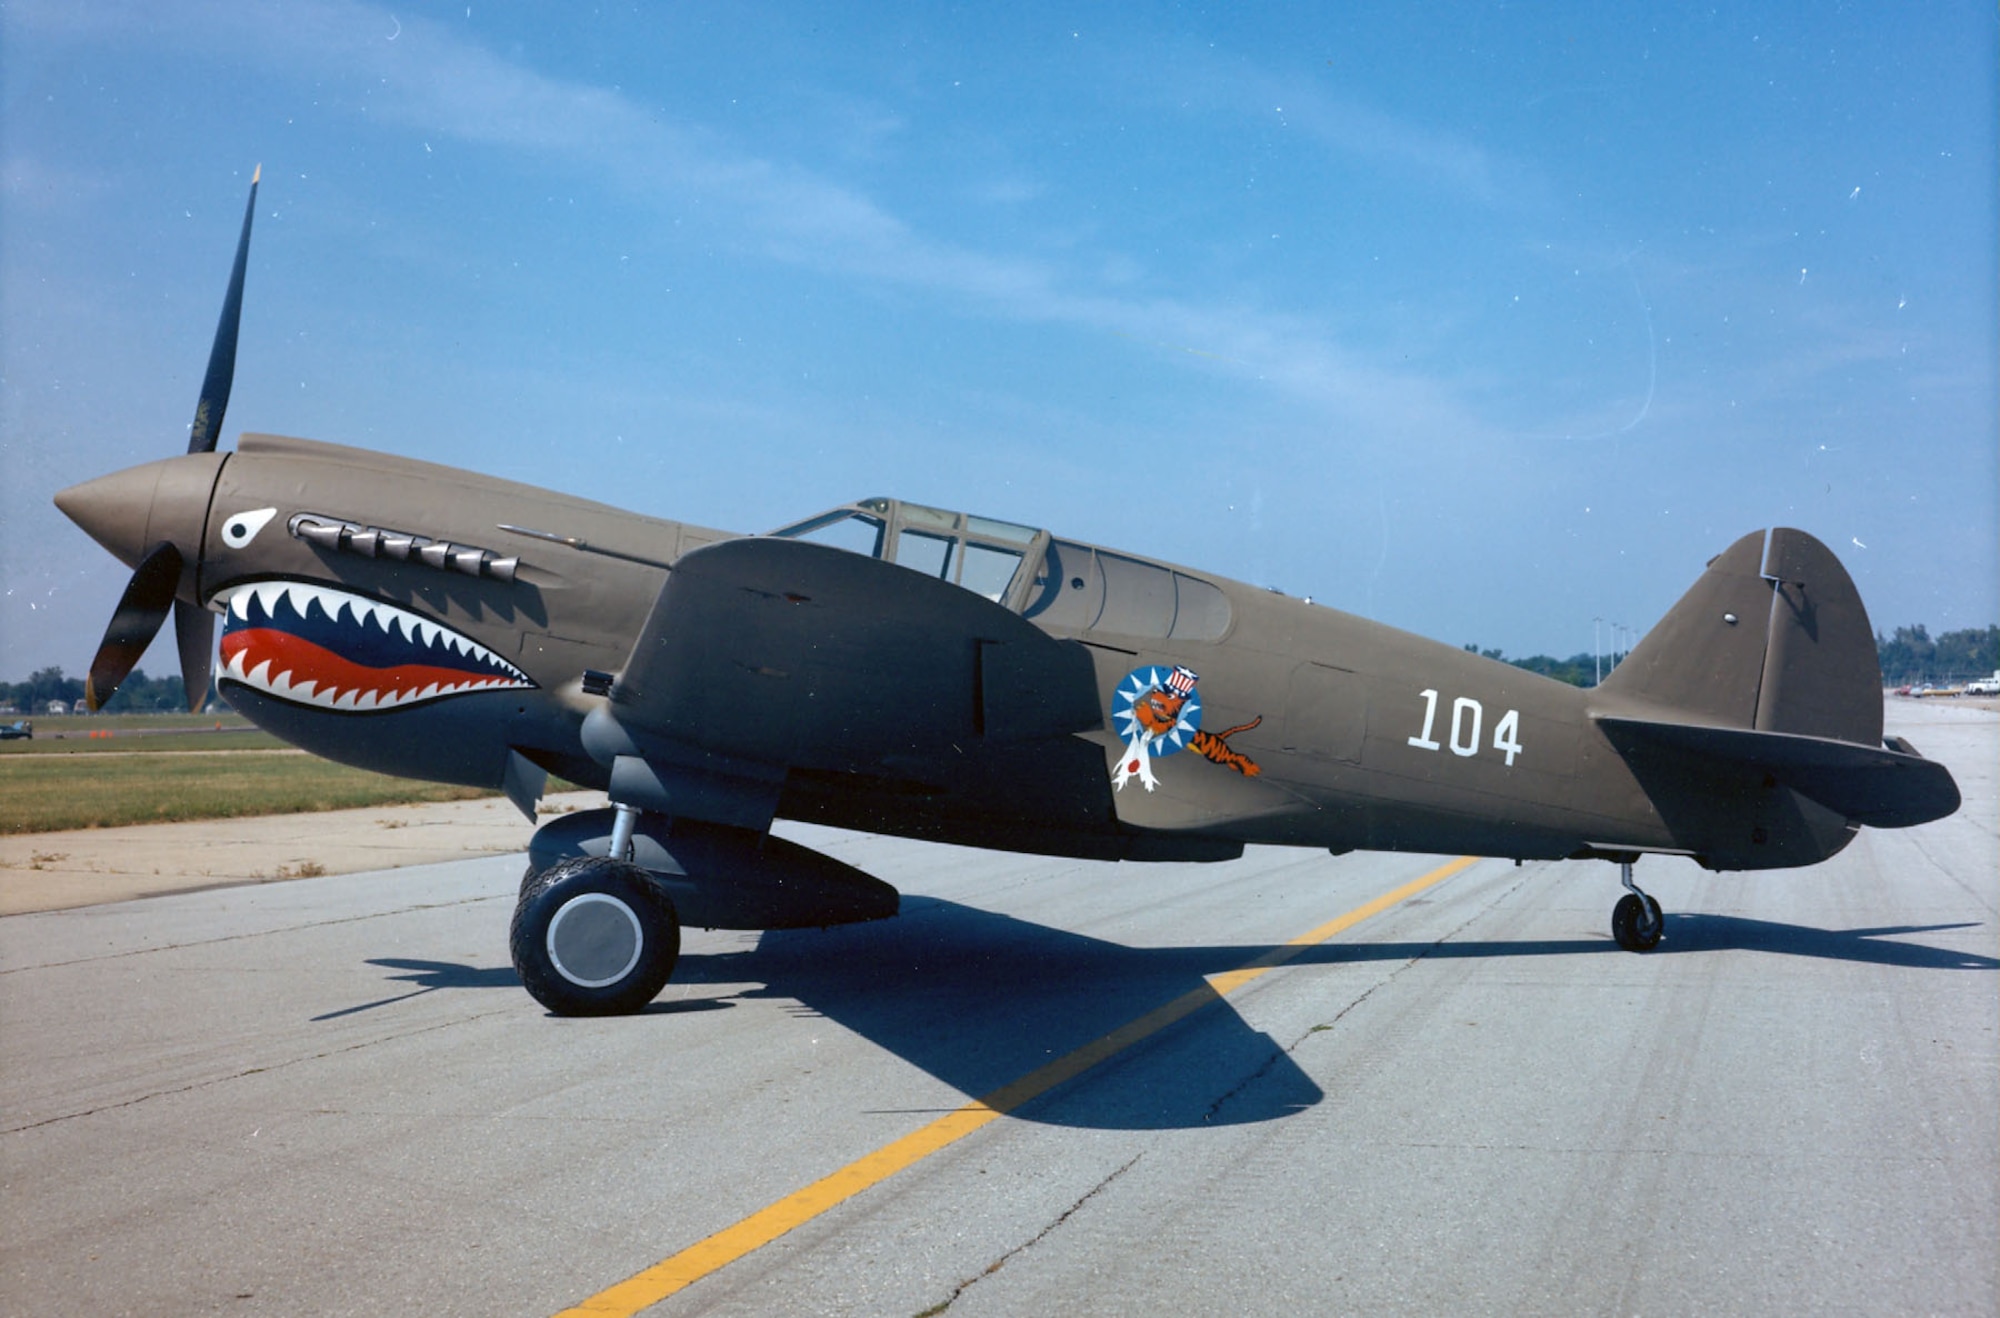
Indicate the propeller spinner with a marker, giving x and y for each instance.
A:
(105, 509)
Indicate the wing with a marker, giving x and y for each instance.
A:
(767, 657)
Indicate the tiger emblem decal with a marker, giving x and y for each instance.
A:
(1157, 712)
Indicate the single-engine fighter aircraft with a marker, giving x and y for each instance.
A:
(897, 668)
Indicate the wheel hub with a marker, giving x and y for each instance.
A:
(595, 940)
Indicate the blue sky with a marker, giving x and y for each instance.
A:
(1485, 321)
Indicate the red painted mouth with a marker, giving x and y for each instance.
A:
(313, 645)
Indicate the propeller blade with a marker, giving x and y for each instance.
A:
(141, 610)
(214, 400)
(194, 631)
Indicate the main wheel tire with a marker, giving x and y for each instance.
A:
(594, 937)
(1637, 923)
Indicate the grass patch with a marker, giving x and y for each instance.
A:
(93, 733)
(43, 793)
(48, 725)
(128, 743)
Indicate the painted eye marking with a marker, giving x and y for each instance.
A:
(241, 529)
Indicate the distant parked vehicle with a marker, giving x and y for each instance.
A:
(1985, 686)
(17, 730)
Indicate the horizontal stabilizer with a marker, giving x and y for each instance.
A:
(1882, 787)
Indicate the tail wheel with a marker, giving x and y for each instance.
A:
(1637, 923)
(594, 937)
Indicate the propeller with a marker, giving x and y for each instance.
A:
(151, 594)
(214, 398)
(141, 610)
(194, 637)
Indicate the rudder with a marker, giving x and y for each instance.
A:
(1822, 677)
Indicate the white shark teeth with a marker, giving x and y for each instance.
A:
(347, 610)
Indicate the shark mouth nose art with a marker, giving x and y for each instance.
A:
(314, 645)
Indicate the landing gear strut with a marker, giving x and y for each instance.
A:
(1636, 921)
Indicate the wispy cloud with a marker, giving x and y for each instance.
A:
(1209, 82)
(432, 79)
(1438, 158)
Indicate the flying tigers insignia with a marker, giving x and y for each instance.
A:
(1157, 711)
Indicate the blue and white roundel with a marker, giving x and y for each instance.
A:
(1163, 728)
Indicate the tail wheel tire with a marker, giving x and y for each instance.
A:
(594, 937)
(1636, 922)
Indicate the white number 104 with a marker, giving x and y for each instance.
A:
(1467, 717)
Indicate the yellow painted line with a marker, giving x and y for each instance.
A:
(698, 1260)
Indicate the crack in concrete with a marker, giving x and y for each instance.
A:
(1031, 1242)
(247, 1072)
(1945, 872)
(1278, 1055)
(260, 933)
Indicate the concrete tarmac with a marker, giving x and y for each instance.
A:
(330, 1096)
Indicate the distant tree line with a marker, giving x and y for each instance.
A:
(1911, 657)
(137, 694)
(1577, 670)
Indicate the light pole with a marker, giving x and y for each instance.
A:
(1597, 649)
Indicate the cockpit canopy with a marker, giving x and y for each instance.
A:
(978, 553)
(1061, 585)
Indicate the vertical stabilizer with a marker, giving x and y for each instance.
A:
(1773, 637)
(1706, 657)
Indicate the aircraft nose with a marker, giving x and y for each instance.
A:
(113, 509)
(130, 511)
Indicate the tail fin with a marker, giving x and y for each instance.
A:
(1773, 637)
(1765, 673)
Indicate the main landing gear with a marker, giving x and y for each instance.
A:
(1636, 921)
(594, 936)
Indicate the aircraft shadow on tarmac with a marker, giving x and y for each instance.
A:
(979, 999)
(429, 977)
(1715, 933)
